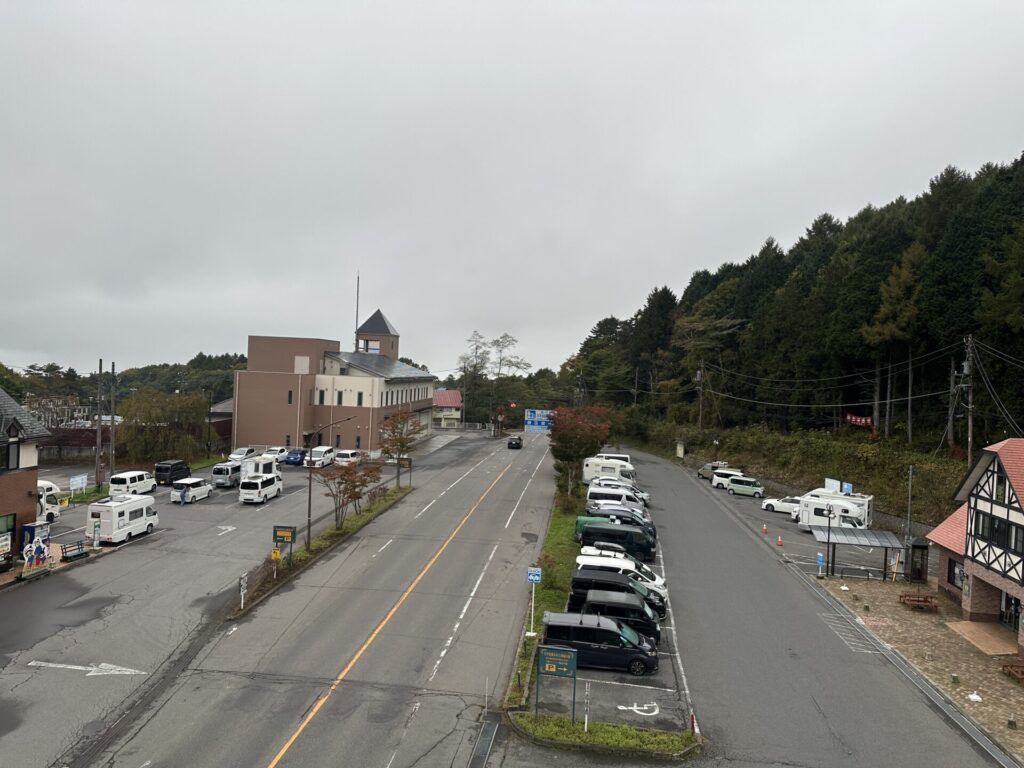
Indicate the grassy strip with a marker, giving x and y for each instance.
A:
(558, 555)
(560, 728)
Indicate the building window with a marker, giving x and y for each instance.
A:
(955, 574)
(999, 530)
(287, 441)
(6, 524)
(359, 399)
(1015, 541)
(339, 397)
(10, 455)
(289, 397)
(1000, 488)
(337, 441)
(321, 397)
(358, 441)
(982, 526)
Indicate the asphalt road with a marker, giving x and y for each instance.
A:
(139, 608)
(384, 653)
(776, 675)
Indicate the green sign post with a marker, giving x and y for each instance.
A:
(285, 534)
(557, 662)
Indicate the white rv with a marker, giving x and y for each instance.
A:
(815, 512)
(598, 467)
(863, 502)
(260, 466)
(124, 516)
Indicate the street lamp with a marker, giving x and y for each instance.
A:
(309, 465)
(828, 542)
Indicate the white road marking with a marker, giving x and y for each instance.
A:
(225, 529)
(136, 540)
(854, 640)
(425, 509)
(647, 710)
(526, 486)
(92, 670)
(145, 764)
(74, 530)
(675, 644)
(462, 615)
(383, 548)
(392, 759)
(627, 685)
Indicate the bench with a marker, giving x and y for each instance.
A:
(1015, 671)
(73, 551)
(917, 600)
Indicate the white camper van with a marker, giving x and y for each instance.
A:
(48, 501)
(124, 516)
(862, 501)
(814, 512)
(598, 467)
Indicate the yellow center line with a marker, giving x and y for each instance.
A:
(383, 622)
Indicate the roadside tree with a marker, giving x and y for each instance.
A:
(398, 435)
(576, 434)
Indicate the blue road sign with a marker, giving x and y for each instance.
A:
(533, 575)
(821, 559)
(535, 420)
(847, 488)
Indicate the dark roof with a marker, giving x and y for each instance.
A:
(377, 325)
(864, 537)
(224, 406)
(32, 428)
(385, 367)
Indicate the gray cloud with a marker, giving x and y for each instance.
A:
(175, 176)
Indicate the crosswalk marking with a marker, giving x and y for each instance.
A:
(854, 640)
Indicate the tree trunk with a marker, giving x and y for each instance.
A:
(910, 394)
(875, 411)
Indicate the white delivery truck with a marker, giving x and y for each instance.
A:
(815, 513)
(47, 501)
(121, 517)
(598, 467)
(862, 501)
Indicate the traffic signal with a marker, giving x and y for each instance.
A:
(512, 405)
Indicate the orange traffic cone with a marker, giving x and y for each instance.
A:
(764, 527)
(779, 542)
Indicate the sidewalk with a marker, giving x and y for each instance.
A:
(9, 578)
(935, 643)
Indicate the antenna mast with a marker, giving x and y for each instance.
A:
(357, 313)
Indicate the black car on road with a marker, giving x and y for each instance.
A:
(515, 441)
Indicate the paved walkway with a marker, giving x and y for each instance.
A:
(931, 643)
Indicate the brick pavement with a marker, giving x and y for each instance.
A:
(937, 652)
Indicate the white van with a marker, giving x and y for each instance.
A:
(132, 483)
(615, 482)
(601, 551)
(256, 489)
(721, 477)
(623, 457)
(622, 496)
(227, 474)
(321, 456)
(596, 467)
(344, 456)
(814, 513)
(121, 517)
(47, 506)
(623, 566)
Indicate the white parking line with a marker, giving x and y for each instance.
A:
(138, 539)
(627, 685)
(73, 530)
(526, 486)
(675, 644)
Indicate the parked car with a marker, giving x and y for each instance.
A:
(619, 565)
(515, 441)
(295, 457)
(720, 478)
(258, 489)
(604, 549)
(614, 482)
(745, 486)
(190, 490)
(705, 472)
(241, 454)
(787, 504)
(345, 456)
(168, 471)
(636, 541)
(630, 610)
(585, 579)
(321, 456)
(132, 483)
(227, 474)
(277, 453)
(601, 642)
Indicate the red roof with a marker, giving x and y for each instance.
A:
(1011, 456)
(951, 533)
(447, 398)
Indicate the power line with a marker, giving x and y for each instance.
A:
(827, 405)
(995, 398)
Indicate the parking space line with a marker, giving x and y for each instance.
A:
(627, 685)
(73, 530)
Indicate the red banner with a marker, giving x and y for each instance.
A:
(859, 421)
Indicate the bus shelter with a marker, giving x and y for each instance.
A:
(856, 537)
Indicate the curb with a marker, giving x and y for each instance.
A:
(692, 751)
(292, 575)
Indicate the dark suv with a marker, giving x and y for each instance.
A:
(166, 472)
(515, 441)
(601, 642)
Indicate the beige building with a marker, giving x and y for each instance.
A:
(295, 388)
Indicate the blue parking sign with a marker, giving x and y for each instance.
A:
(533, 574)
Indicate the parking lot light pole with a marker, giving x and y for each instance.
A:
(829, 566)
(309, 467)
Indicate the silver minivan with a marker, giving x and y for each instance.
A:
(227, 474)
(622, 496)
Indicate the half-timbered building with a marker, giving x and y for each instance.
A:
(993, 566)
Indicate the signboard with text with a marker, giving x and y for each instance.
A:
(533, 574)
(284, 534)
(535, 420)
(555, 661)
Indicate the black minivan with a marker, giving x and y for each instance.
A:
(625, 608)
(601, 642)
(166, 472)
(636, 541)
(586, 579)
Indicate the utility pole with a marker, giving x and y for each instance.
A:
(910, 395)
(99, 421)
(950, 441)
(910, 497)
(636, 379)
(113, 419)
(700, 396)
(969, 383)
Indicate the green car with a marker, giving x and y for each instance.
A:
(582, 520)
(745, 486)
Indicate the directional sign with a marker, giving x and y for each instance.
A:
(93, 670)
(821, 559)
(559, 662)
(533, 574)
(535, 420)
(284, 534)
(78, 482)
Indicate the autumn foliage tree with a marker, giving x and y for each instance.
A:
(346, 485)
(398, 434)
(576, 434)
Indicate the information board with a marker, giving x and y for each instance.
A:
(535, 420)
(556, 661)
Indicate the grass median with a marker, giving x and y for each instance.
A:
(561, 729)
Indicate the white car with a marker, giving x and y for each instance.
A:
(787, 504)
(277, 453)
(344, 457)
(257, 489)
(321, 456)
(614, 482)
(189, 490)
(241, 454)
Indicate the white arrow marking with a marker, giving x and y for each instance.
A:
(92, 670)
(225, 529)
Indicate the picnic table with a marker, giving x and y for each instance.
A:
(1015, 671)
(917, 600)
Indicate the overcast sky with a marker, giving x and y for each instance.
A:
(175, 176)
